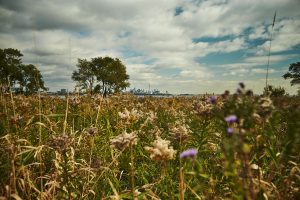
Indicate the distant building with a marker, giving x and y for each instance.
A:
(62, 92)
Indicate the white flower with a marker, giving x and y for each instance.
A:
(124, 140)
(161, 150)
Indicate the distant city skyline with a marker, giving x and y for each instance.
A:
(191, 46)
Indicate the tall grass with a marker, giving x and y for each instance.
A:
(125, 147)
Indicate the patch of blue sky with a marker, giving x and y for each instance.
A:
(256, 42)
(129, 53)
(178, 11)
(294, 50)
(82, 34)
(169, 72)
(149, 61)
(222, 58)
(213, 39)
(283, 65)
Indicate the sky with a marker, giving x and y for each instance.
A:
(179, 46)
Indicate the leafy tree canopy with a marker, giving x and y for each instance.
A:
(10, 62)
(101, 74)
(32, 79)
(13, 72)
(293, 73)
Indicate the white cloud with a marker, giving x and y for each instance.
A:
(286, 35)
(262, 71)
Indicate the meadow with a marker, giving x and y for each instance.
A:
(230, 146)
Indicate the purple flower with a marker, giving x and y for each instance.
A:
(212, 99)
(190, 153)
(229, 130)
(242, 85)
(231, 119)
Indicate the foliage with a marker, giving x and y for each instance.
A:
(14, 72)
(274, 91)
(32, 79)
(10, 63)
(235, 146)
(105, 75)
(85, 76)
(293, 73)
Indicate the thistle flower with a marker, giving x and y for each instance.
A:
(225, 94)
(60, 143)
(265, 107)
(266, 102)
(230, 131)
(125, 114)
(231, 119)
(151, 116)
(161, 150)
(95, 163)
(189, 153)
(242, 85)
(212, 100)
(203, 108)
(181, 132)
(76, 101)
(123, 140)
(92, 130)
(130, 115)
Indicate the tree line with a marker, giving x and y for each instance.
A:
(14, 73)
(103, 75)
(99, 75)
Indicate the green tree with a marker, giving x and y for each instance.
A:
(32, 79)
(10, 63)
(293, 73)
(84, 76)
(111, 74)
(13, 72)
(101, 74)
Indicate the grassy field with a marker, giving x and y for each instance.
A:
(234, 146)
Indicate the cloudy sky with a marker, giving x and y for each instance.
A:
(179, 46)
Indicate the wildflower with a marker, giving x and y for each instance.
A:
(242, 85)
(130, 115)
(16, 119)
(76, 101)
(161, 150)
(231, 119)
(230, 130)
(181, 132)
(124, 115)
(203, 108)
(95, 163)
(265, 107)
(124, 140)
(92, 130)
(190, 153)
(60, 143)
(225, 94)
(266, 103)
(212, 100)
(249, 93)
(152, 116)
